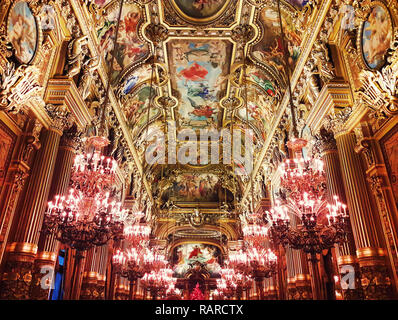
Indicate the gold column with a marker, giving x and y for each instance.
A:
(375, 278)
(378, 180)
(291, 283)
(48, 245)
(89, 280)
(15, 182)
(22, 250)
(326, 146)
(302, 273)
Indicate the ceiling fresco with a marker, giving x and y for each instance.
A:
(200, 8)
(199, 71)
(268, 50)
(131, 47)
(198, 48)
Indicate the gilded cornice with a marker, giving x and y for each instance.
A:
(63, 91)
(333, 94)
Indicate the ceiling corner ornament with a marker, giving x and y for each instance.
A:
(196, 218)
(143, 2)
(258, 3)
(166, 102)
(156, 33)
(243, 33)
(231, 103)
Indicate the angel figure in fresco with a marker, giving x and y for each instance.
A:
(379, 38)
(22, 31)
(180, 257)
(193, 73)
(203, 110)
(198, 50)
(131, 21)
(134, 111)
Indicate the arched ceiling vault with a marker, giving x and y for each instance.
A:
(199, 50)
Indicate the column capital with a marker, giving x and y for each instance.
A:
(71, 138)
(324, 141)
(337, 122)
(60, 116)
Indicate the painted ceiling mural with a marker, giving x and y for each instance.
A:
(187, 255)
(269, 49)
(131, 47)
(200, 8)
(199, 70)
(198, 63)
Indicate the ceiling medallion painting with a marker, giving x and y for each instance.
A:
(200, 12)
(23, 32)
(375, 36)
(199, 72)
(131, 47)
(196, 187)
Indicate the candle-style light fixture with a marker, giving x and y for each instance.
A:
(318, 225)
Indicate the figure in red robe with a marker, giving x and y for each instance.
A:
(194, 73)
(195, 253)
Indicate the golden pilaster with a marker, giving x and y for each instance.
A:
(327, 148)
(48, 245)
(30, 217)
(375, 278)
(303, 287)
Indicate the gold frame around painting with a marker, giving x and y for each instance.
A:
(39, 33)
(188, 18)
(363, 61)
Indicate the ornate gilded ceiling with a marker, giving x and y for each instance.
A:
(199, 49)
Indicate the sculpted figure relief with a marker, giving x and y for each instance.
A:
(75, 56)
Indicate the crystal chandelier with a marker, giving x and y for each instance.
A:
(226, 284)
(135, 262)
(217, 295)
(303, 186)
(87, 216)
(172, 293)
(157, 282)
(255, 234)
(303, 199)
(137, 234)
(234, 280)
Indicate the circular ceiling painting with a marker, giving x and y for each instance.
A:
(200, 9)
(22, 32)
(376, 36)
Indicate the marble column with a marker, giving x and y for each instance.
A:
(48, 245)
(23, 243)
(325, 145)
(375, 277)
